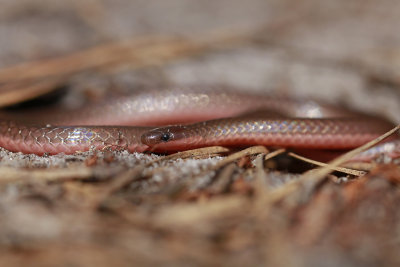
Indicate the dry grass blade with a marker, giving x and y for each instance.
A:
(321, 164)
(30, 79)
(13, 93)
(8, 174)
(261, 185)
(310, 179)
(262, 188)
(362, 166)
(147, 50)
(223, 180)
(227, 160)
(196, 153)
(124, 179)
(274, 154)
(351, 154)
(118, 182)
(79, 61)
(245, 152)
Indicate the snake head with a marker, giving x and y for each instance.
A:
(161, 135)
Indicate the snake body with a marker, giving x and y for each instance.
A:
(339, 133)
(218, 117)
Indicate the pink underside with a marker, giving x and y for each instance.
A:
(308, 146)
(299, 141)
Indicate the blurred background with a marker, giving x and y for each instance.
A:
(343, 51)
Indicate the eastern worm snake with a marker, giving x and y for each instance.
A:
(216, 116)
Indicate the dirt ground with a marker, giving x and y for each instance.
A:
(211, 206)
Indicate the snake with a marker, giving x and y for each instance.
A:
(183, 118)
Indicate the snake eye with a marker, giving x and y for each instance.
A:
(165, 137)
